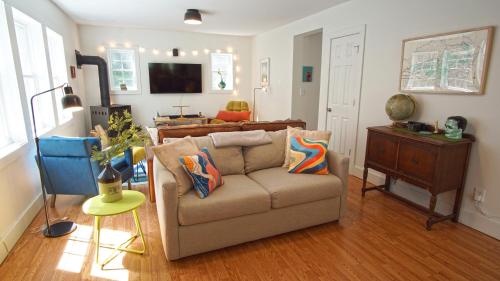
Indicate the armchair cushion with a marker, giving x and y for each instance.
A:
(233, 116)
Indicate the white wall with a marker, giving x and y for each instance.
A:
(145, 105)
(305, 95)
(388, 22)
(20, 198)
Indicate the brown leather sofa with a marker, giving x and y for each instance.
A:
(197, 130)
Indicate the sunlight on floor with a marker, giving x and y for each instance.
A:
(77, 252)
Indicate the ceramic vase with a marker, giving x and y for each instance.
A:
(110, 184)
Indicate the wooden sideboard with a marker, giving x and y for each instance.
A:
(434, 164)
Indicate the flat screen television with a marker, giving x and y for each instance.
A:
(174, 78)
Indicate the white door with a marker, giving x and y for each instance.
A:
(344, 85)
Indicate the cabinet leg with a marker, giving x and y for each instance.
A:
(365, 177)
(387, 185)
(432, 207)
(458, 204)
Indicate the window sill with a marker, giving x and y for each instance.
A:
(125, 93)
(12, 152)
(221, 91)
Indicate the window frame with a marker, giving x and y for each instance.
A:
(136, 69)
(48, 115)
(58, 78)
(213, 75)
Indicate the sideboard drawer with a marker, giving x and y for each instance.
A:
(382, 150)
(418, 161)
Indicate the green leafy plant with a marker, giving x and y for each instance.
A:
(123, 134)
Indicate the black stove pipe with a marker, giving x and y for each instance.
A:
(102, 68)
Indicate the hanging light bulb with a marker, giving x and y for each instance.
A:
(142, 50)
(101, 49)
(206, 51)
(195, 53)
(156, 52)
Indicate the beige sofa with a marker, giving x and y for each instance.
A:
(259, 199)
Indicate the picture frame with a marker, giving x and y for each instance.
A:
(264, 76)
(447, 63)
(307, 73)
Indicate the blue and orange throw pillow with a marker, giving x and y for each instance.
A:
(308, 156)
(201, 168)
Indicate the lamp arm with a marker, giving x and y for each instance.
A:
(33, 110)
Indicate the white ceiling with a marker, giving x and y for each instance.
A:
(236, 17)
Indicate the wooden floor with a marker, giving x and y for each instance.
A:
(378, 239)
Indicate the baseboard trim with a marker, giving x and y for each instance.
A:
(8, 242)
(488, 226)
(373, 176)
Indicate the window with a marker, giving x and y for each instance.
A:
(123, 70)
(11, 114)
(221, 69)
(34, 68)
(59, 70)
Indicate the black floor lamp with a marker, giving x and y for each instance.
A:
(73, 103)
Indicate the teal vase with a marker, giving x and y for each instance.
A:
(222, 84)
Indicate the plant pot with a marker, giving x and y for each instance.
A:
(110, 184)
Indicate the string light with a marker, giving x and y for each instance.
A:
(141, 50)
(235, 57)
(229, 49)
(206, 51)
(127, 45)
(195, 53)
(156, 52)
(238, 68)
(235, 92)
(101, 49)
(112, 44)
(218, 51)
(182, 53)
(170, 53)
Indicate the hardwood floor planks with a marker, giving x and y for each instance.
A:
(379, 238)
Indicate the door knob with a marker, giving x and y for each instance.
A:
(329, 109)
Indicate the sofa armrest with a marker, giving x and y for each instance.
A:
(339, 166)
(166, 206)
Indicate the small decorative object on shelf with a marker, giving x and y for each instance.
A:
(125, 134)
(452, 131)
(436, 127)
(400, 107)
(461, 121)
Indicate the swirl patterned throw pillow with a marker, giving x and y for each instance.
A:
(201, 168)
(308, 156)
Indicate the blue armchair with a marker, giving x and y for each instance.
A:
(69, 169)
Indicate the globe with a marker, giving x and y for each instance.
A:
(400, 107)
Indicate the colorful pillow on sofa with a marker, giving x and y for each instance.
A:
(308, 156)
(298, 132)
(233, 116)
(201, 168)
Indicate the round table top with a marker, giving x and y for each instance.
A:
(130, 201)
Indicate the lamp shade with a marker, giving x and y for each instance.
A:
(192, 16)
(71, 101)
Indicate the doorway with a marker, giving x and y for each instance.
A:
(345, 68)
(307, 48)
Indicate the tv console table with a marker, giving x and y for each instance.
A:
(433, 163)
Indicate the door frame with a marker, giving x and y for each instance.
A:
(330, 33)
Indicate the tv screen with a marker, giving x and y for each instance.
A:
(172, 78)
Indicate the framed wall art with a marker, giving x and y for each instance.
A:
(448, 63)
(264, 72)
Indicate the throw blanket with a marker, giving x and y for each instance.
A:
(240, 138)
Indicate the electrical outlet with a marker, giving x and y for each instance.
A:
(479, 194)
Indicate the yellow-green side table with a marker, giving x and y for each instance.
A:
(129, 203)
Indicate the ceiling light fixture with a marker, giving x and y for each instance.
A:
(192, 16)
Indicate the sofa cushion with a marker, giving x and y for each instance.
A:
(298, 132)
(267, 155)
(292, 189)
(238, 196)
(228, 160)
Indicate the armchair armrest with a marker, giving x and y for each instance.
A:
(339, 166)
(166, 206)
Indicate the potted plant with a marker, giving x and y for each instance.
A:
(123, 135)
